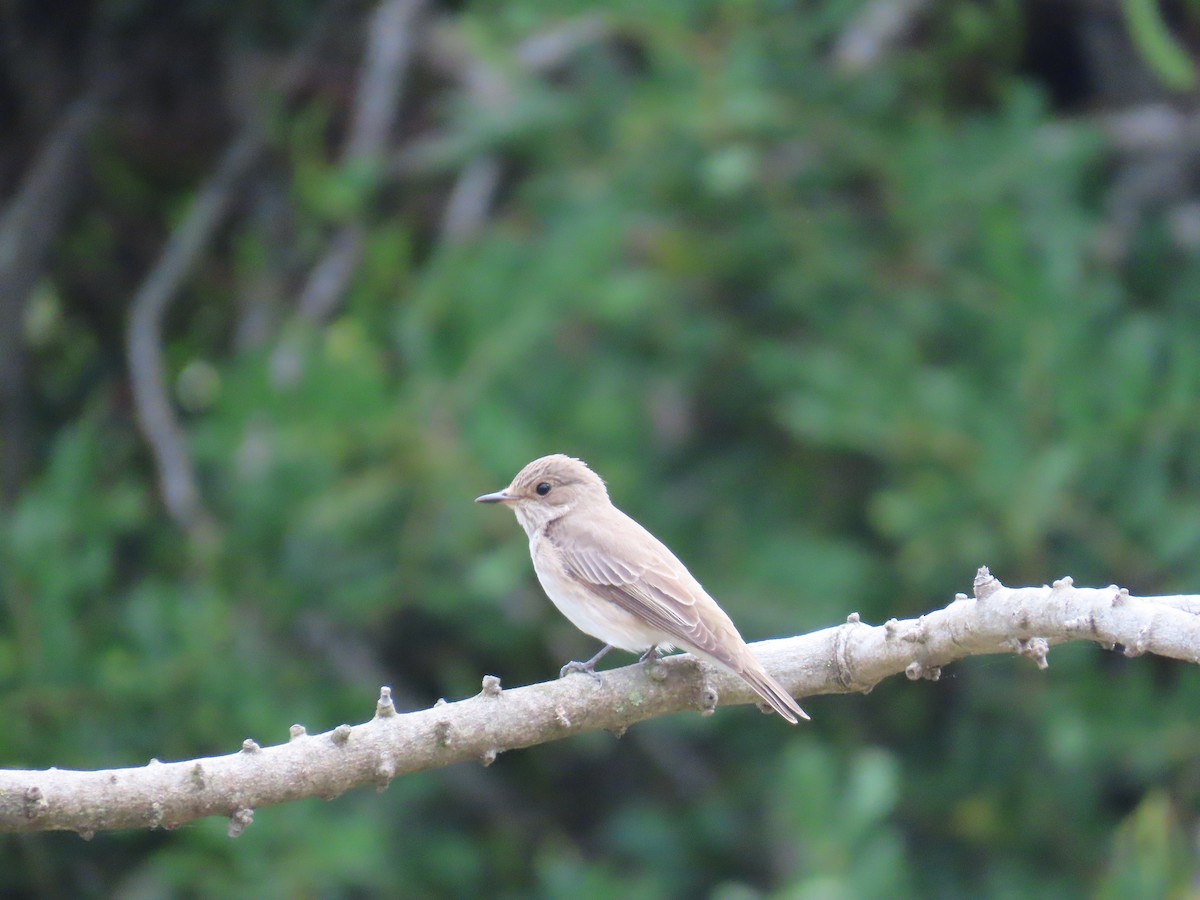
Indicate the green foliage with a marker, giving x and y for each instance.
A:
(1153, 38)
(1151, 854)
(837, 339)
(832, 824)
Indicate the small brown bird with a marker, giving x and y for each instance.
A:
(617, 582)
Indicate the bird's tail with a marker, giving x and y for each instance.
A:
(771, 691)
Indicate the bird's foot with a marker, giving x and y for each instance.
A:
(587, 668)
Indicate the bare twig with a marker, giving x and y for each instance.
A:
(29, 226)
(489, 88)
(381, 85)
(551, 48)
(471, 199)
(389, 50)
(846, 658)
(1150, 128)
(331, 276)
(380, 88)
(876, 30)
(155, 416)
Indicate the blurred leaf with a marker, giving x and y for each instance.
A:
(1162, 52)
(1152, 855)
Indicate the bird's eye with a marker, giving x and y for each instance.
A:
(543, 489)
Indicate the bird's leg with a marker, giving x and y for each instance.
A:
(651, 655)
(650, 660)
(588, 667)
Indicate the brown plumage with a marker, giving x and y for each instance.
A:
(617, 582)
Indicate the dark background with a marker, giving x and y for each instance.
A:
(840, 313)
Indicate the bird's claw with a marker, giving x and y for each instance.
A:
(585, 668)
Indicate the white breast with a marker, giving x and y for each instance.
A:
(588, 611)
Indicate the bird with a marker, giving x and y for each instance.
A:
(617, 582)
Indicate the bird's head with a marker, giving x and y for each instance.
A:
(547, 489)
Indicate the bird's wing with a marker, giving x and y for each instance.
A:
(638, 573)
(643, 577)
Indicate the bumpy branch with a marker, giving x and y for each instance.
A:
(842, 659)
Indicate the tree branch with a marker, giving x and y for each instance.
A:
(380, 88)
(147, 377)
(843, 659)
(382, 79)
(152, 406)
(490, 88)
(875, 31)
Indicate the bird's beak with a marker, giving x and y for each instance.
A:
(497, 497)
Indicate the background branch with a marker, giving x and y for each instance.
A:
(846, 658)
(147, 376)
(380, 89)
(492, 90)
(151, 396)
